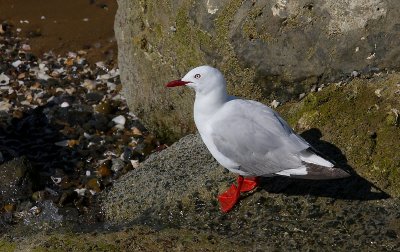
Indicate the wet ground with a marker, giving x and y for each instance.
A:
(62, 26)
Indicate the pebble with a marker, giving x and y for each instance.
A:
(275, 103)
(93, 185)
(64, 105)
(16, 63)
(89, 84)
(103, 171)
(378, 92)
(354, 74)
(135, 163)
(9, 208)
(26, 47)
(117, 164)
(66, 145)
(119, 120)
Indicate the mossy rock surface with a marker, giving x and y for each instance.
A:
(178, 187)
(362, 119)
(266, 49)
(137, 238)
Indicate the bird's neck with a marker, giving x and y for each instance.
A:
(206, 105)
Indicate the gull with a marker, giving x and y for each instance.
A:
(249, 138)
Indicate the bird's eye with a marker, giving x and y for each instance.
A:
(197, 76)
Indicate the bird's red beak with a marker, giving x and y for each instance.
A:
(176, 83)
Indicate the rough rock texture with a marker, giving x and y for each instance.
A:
(362, 118)
(266, 49)
(17, 180)
(177, 189)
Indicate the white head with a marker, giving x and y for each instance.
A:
(203, 79)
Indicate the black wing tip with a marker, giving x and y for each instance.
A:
(319, 172)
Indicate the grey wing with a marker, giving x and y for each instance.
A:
(257, 138)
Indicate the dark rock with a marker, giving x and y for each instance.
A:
(94, 97)
(17, 180)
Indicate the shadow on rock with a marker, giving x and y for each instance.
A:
(34, 137)
(352, 188)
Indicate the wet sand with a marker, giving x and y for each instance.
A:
(64, 25)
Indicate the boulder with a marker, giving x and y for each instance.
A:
(177, 189)
(266, 49)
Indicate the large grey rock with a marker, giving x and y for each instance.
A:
(177, 187)
(266, 49)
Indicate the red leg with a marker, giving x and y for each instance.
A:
(229, 198)
(249, 184)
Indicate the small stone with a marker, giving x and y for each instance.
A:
(39, 195)
(119, 120)
(9, 208)
(64, 105)
(72, 143)
(136, 132)
(63, 143)
(378, 92)
(72, 55)
(93, 185)
(5, 106)
(314, 88)
(354, 74)
(80, 191)
(42, 17)
(67, 196)
(85, 19)
(88, 173)
(21, 76)
(89, 84)
(117, 164)
(275, 103)
(18, 114)
(16, 63)
(105, 107)
(43, 76)
(26, 47)
(42, 66)
(100, 64)
(371, 56)
(103, 171)
(69, 62)
(301, 96)
(135, 163)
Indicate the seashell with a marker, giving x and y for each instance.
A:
(4, 79)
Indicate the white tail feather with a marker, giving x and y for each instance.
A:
(309, 157)
(298, 171)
